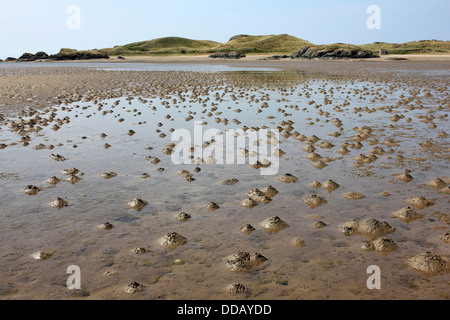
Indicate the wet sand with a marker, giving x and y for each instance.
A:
(84, 103)
(35, 86)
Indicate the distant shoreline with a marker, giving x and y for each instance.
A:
(205, 58)
(248, 58)
(250, 45)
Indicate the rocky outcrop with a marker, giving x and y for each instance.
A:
(64, 54)
(228, 55)
(331, 54)
(276, 57)
(33, 57)
(27, 57)
(78, 55)
(41, 55)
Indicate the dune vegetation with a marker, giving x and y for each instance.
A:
(264, 44)
(162, 46)
(413, 47)
(248, 44)
(282, 43)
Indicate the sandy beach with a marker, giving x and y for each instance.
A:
(88, 178)
(37, 86)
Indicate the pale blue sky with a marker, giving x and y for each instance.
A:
(31, 26)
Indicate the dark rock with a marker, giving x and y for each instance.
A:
(41, 55)
(78, 55)
(27, 57)
(276, 57)
(62, 55)
(366, 54)
(331, 54)
(121, 58)
(33, 57)
(304, 53)
(228, 55)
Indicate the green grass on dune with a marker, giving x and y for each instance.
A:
(413, 47)
(282, 43)
(167, 45)
(175, 45)
(263, 44)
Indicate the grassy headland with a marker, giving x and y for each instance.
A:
(264, 44)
